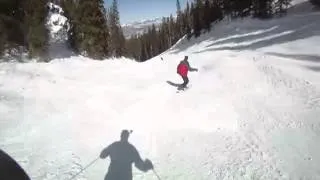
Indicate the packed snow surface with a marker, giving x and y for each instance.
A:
(251, 112)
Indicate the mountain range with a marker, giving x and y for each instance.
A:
(138, 27)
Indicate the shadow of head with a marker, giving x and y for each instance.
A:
(124, 137)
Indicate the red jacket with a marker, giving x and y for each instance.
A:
(182, 69)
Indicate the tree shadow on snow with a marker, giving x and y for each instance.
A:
(286, 30)
(301, 57)
(252, 34)
(122, 155)
(239, 38)
(314, 68)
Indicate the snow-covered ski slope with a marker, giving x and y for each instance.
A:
(252, 111)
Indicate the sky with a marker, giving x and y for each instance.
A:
(136, 10)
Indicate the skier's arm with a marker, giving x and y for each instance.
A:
(140, 164)
(105, 152)
(191, 69)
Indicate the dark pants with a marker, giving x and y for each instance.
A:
(185, 81)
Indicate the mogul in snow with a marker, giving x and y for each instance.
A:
(122, 155)
(182, 69)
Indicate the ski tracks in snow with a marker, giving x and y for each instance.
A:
(257, 161)
(270, 103)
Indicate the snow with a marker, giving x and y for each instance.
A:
(58, 26)
(251, 112)
(56, 22)
(55, 7)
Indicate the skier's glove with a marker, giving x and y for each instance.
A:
(148, 164)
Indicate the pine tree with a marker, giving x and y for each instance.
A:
(36, 31)
(70, 9)
(227, 7)
(216, 11)
(262, 8)
(11, 24)
(166, 33)
(121, 45)
(172, 31)
(315, 2)
(89, 31)
(117, 38)
(153, 41)
(143, 54)
(207, 16)
(133, 47)
(241, 8)
(179, 22)
(178, 7)
(90, 28)
(162, 39)
(188, 21)
(196, 17)
(281, 6)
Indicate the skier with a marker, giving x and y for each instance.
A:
(122, 155)
(182, 70)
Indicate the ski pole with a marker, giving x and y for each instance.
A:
(84, 168)
(154, 171)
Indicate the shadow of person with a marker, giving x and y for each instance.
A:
(122, 155)
(10, 169)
